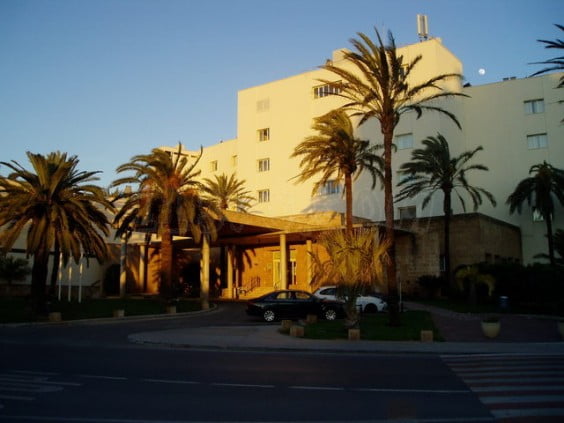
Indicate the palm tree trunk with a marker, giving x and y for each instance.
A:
(549, 235)
(39, 280)
(393, 299)
(166, 262)
(55, 268)
(348, 204)
(447, 210)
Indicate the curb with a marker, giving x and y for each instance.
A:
(140, 317)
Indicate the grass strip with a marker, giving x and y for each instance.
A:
(375, 328)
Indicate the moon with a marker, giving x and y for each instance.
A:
(482, 71)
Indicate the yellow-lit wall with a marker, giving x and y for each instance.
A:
(492, 116)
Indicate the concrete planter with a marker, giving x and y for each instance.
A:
(311, 318)
(354, 334)
(119, 312)
(297, 331)
(491, 328)
(426, 336)
(55, 316)
(285, 326)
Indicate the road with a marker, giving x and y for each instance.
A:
(90, 373)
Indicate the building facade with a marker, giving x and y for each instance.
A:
(517, 121)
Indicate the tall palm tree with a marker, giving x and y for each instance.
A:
(226, 191)
(167, 201)
(540, 192)
(433, 169)
(335, 153)
(556, 63)
(379, 87)
(58, 205)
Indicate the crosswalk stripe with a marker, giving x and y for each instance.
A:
(528, 412)
(514, 386)
(534, 380)
(520, 399)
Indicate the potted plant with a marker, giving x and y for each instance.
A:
(491, 326)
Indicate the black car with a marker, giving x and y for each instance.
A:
(292, 304)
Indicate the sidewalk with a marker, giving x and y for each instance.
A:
(462, 333)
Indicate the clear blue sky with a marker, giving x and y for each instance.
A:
(106, 80)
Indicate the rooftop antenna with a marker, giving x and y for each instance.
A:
(422, 27)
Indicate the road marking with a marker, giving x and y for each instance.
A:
(103, 377)
(241, 385)
(532, 380)
(27, 387)
(415, 391)
(520, 399)
(318, 388)
(517, 388)
(528, 412)
(17, 379)
(29, 372)
(16, 397)
(180, 382)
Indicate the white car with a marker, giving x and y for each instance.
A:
(370, 303)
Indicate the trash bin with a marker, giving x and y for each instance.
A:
(504, 303)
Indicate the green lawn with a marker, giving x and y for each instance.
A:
(14, 310)
(375, 327)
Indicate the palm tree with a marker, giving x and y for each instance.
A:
(433, 169)
(13, 269)
(355, 263)
(556, 63)
(58, 205)
(335, 153)
(379, 87)
(167, 201)
(226, 191)
(539, 191)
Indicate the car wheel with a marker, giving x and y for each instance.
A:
(370, 308)
(269, 316)
(330, 314)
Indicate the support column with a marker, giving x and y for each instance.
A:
(122, 267)
(230, 271)
(142, 266)
(309, 263)
(283, 262)
(205, 274)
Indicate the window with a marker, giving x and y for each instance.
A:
(234, 160)
(403, 176)
(537, 216)
(264, 165)
(327, 90)
(409, 212)
(290, 269)
(263, 196)
(263, 105)
(534, 106)
(330, 187)
(404, 141)
(403, 71)
(537, 141)
(263, 134)
(213, 165)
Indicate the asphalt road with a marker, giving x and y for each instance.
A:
(91, 373)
